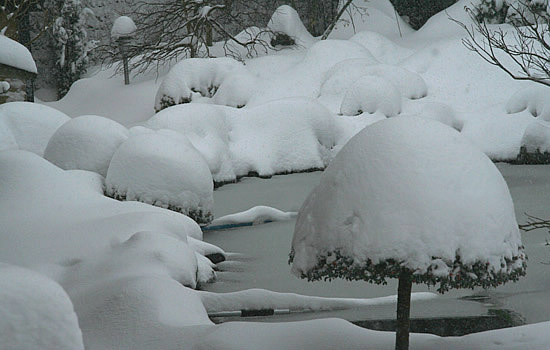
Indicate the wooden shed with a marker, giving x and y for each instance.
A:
(17, 71)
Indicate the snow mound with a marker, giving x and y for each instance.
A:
(28, 126)
(36, 312)
(283, 136)
(384, 49)
(370, 94)
(255, 215)
(145, 253)
(206, 128)
(339, 78)
(194, 77)
(536, 137)
(236, 90)
(286, 20)
(163, 169)
(534, 99)
(15, 55)
(86, 143)
(414, 193)
(373, 15)
(441, 112)
(124, 26)
(139, 313)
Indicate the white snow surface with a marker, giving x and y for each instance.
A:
(28, 126)
(123, 26)
(286, 20)
(537, 137)
(86, 143)
(408, 189)
(16, 55)
(534, 99)
(256, 215)
(36, 312)
(164, 169)
(195, 77)
(370, 94)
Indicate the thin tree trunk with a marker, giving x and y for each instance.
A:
(331, 26)
(403, 310)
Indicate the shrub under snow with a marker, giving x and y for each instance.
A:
(285, 20)
(36, 312)
(534, 99)
(195, 77)
(370, 94)
(28, 126)
(163, 169)
(86, 143)
(410, 193)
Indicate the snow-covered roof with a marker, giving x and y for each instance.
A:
(15, 55)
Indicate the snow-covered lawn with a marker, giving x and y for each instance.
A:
(130, 270)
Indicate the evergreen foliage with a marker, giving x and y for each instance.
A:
(70, 43)
(514, 12)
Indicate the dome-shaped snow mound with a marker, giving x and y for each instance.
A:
(28, 126)
(86, 143)
(123, 26)
(410, 193)
(163, 169)
(36, 312)
(371, 94)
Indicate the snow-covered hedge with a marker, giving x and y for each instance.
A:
(86, 143)
(195, 77)
(28, 126)
(163, 169)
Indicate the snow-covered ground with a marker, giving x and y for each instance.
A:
(127, 271)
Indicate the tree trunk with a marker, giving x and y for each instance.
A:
(403, 310)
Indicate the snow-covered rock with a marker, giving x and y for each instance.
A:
(370, 94)
(195, 77)
(255, 215)
(16, 55)
(86, 143)
(123, 26)
(36, 313)
(207, 128)
(164, 169)
(286, 20)
(28, 126)
(415, 192)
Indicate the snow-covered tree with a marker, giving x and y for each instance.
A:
(525, 46)
(70, 43)
(412, 199)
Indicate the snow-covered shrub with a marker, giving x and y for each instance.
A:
(286, 21)
(236, 90)
(282, 136)
(535, 144)
(28, 126)
(71, 43)
(163, 169)
(370, 94)
(442, 211)
(384, 49)
(345, 73)
(441, 112)
(515, 12)
(195, 77)
(36, 312)
(535, 99)
(207, 129)
(86, 143)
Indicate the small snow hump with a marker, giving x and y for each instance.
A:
(410, 194)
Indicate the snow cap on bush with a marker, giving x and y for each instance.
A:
(163, 169)
(86, 143)
(410, 193)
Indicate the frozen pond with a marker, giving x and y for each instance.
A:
(261, 252)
